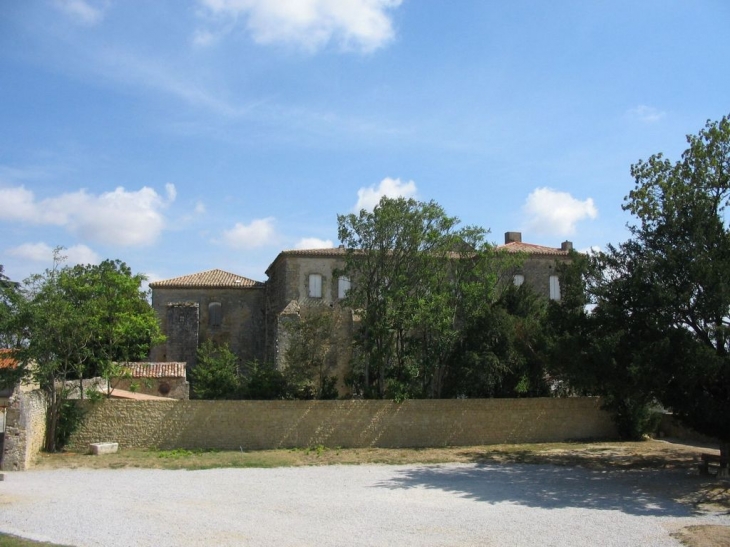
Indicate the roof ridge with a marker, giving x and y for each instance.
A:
(214, 277)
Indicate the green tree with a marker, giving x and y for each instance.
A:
(501, 349)
(73, 322)
(663, 297)
(309, 358)
(594, 350)
(416, 278)
(9, 301)
(215, 376)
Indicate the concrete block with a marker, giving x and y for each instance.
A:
(99, 449)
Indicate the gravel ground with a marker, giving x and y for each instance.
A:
(451, 504)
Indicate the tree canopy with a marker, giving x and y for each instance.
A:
(70, 323)
(422, 285)
(659, 330)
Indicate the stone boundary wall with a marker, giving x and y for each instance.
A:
(253, 425)
(25, 429)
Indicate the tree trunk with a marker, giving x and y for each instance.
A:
(52, 420)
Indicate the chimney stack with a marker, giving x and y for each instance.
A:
(512, 237)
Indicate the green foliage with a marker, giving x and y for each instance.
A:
(309, 359)
(215, 376)
(70, 417)
(73, 322)
(264, 382)
(501, 352)
(418, 282)
(660, 327)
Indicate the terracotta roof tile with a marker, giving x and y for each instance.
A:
(156, 370)
(529, 248)
(6, 360)
(208, 279)
(329, 251)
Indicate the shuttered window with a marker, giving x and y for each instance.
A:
(554, 287)
(214, 314)
(315, 286)
(343, 285)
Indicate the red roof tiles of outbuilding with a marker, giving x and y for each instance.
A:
(156, 370)
(6, 359)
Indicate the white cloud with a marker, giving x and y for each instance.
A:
(592, 250)
(199, 208)
(17, 204)
(647, 114)
(353, 24)
(368, 198)
(258, 233)
(42, 252)
(550, 212)
(119, 217)
(314, 243)
(82, 11)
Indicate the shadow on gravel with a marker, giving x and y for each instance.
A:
(643, 493)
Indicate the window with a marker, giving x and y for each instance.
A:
(518, 280)
(343, 285)
(554, 287)
(315, 286)
(214, 314)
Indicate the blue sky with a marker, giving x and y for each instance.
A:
(186, 135)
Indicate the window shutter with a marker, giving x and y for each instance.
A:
(343, 285)
(214, 314)
(554, 287)
(315, 286)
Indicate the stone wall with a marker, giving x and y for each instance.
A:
(185, 319)
(250, 425)
(287, 294)
(25, 429)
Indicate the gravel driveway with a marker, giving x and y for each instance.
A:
(349, 505)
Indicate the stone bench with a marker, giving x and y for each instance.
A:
(99, 449)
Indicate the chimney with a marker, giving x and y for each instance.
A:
(512, 237)
(566, 246)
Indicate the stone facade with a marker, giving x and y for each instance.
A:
(252, 317)
(25, 429)
(215, 305)
(260, 425)
(538, 267)
(289, 297)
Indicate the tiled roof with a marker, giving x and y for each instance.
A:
(156, 370)
(208, 279)
(6, 361)
(329, 251)
(529, 248)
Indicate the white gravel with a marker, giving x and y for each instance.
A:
(349, 505)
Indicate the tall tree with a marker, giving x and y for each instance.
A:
(663, 297)
(73, 322)
(415, 276)
(309, 359)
